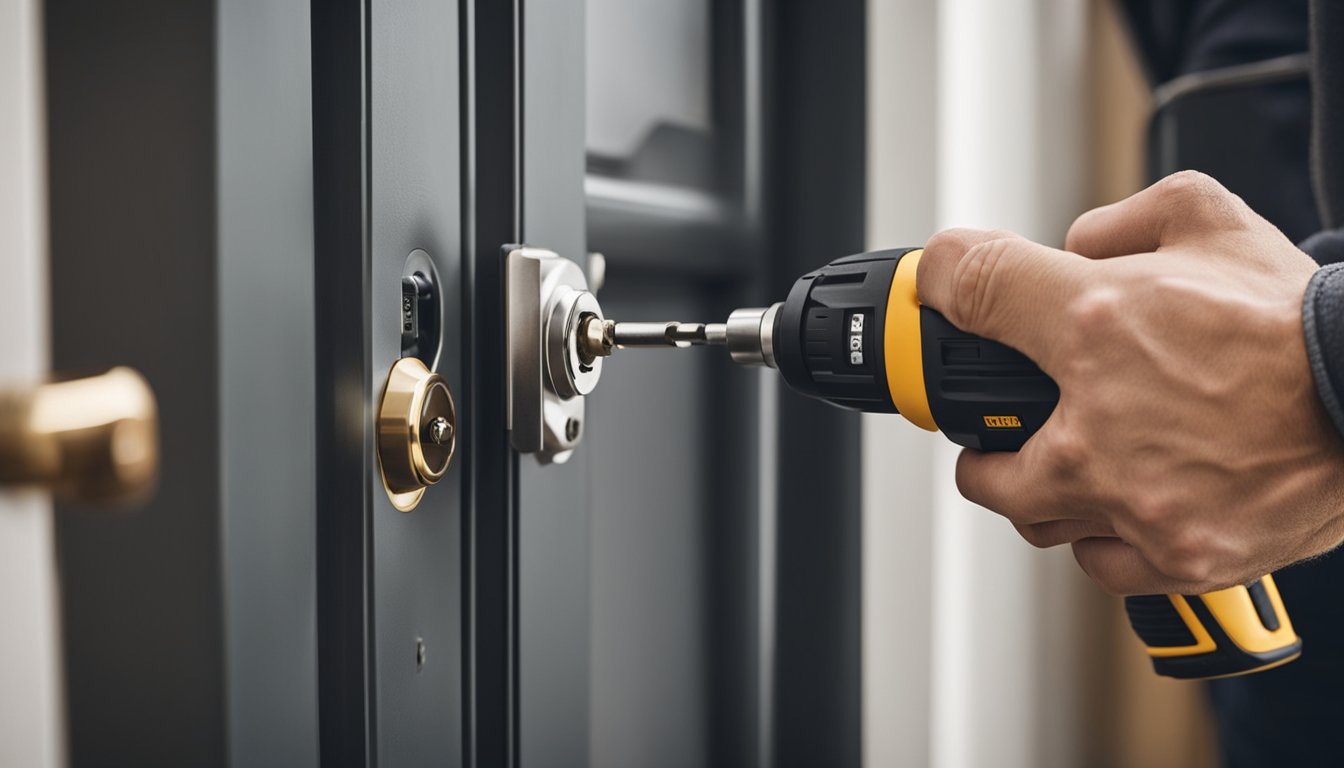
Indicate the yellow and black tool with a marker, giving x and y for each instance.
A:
(853, 333)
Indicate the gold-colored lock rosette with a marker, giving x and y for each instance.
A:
(416, 432)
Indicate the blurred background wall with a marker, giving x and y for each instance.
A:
(978, 649)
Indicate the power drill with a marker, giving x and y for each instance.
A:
(854, 334)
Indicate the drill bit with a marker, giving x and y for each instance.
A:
(748, 334)
(667, 334)
(598, 337)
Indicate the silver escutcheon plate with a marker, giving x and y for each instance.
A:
(546, 300)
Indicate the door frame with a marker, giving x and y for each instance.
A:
(32, 709)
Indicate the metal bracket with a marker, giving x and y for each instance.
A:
(546, 300)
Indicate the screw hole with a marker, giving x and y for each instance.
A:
(572, 430)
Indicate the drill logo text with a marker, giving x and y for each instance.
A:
(1003, 422)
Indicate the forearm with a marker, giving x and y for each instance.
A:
(1323, 324)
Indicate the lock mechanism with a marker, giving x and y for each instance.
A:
(549, 308)
(421, 309)
(417, 432)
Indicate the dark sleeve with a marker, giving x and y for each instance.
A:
(1178, 38)
(1327, 86)
(1323, 324)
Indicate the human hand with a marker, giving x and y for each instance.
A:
(1189, 450)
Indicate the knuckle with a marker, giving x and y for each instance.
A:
(1194, 196)
(1192, 569)
(1185, 558)
(1064, 456)
(1095, 312)
(1152, 511)
(948, 240)
(1183, 184)
(971, 281)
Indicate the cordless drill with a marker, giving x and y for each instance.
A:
(853, 333)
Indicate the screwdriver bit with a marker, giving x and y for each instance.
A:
(747, 334)
(598, 337)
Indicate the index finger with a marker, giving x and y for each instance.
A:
(1178, 206)
(1003, 287)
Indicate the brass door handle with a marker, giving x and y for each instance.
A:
(94, 439)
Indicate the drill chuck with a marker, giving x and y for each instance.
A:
(750, 335)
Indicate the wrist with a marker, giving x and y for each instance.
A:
(1323, 329)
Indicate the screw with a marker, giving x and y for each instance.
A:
(596, 338)
(572, 430)
(440, 431)
(419, 653)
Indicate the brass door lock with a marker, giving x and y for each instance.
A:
(417, 432)
(94, 439)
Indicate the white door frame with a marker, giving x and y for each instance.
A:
(977, 118)
(32, 724)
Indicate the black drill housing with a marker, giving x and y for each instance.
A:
(813, 335)
(982, 394)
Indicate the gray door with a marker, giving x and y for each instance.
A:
(458, 630)
(387, 159)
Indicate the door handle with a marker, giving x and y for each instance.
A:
(94, 439)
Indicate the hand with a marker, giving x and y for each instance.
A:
(1189, 450)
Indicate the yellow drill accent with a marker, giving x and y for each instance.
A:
(903, 346)
(1233, 610)
(1203, 640)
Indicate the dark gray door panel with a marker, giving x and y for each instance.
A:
(266, 299)
(387, 182)
(553, 599)
(414, 203)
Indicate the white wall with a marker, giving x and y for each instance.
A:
(977, 118)
(31, 732)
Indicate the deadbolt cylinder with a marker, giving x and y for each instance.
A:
(572, 372)
(417, 431)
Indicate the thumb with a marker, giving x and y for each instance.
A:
(1003, 287)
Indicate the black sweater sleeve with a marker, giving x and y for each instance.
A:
(1327, 92)
(1323, 307)
(1323, 325)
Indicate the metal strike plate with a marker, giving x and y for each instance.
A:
(546, 300)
